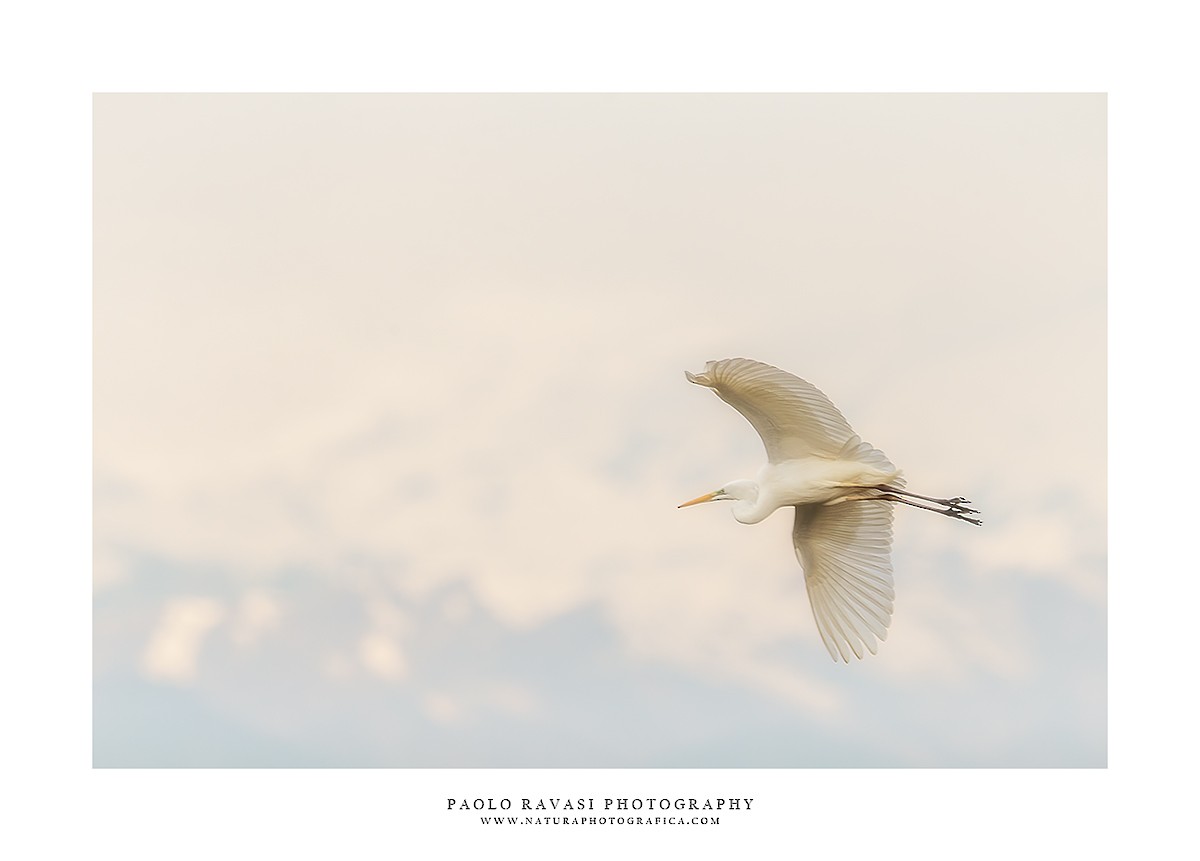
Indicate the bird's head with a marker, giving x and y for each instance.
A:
(746, 491)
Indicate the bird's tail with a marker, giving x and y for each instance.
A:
(856, 449)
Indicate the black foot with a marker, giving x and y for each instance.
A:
(958, 514)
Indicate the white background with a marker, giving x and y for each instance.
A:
(1066, 47)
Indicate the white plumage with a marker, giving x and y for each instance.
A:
(843, 491)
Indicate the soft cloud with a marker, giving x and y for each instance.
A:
(173, 652)
(951, 635)
(256, 613)
(379, 649)
(380, 654)
(441, 707)
(108, 568)
(436, 360)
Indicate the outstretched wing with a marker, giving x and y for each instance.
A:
(793, 417)
(846, 553)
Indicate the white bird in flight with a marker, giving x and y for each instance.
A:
(842, 488)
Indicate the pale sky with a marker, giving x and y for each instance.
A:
(391, 424)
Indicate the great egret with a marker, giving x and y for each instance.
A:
(842, 488)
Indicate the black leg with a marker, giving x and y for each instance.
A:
(957, 513)
(958, 503)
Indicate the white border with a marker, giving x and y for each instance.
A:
(64, 52)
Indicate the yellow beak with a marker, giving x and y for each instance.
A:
(708, 497)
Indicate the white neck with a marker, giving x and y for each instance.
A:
(750, 506)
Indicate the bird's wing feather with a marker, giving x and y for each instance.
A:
(793, 417)
(845, 550)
